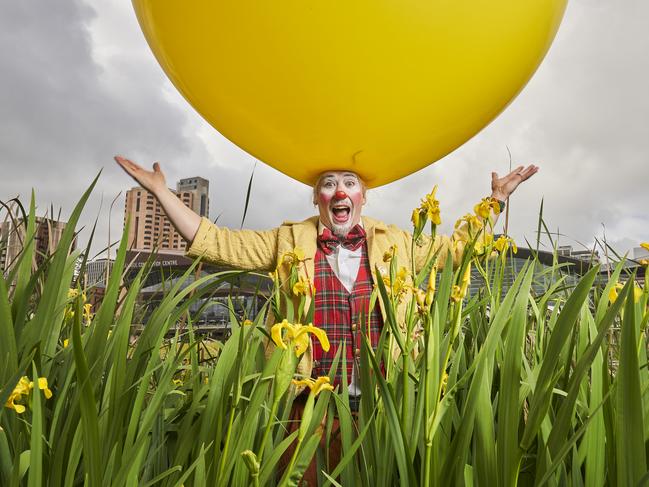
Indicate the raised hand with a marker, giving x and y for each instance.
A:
(181, 217)
(153, 181)
(503, 187)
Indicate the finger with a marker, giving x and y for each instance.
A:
(494, 177)
(124, 163)
(529, 172)
(129, 166)
(516, 171)
(156, 167)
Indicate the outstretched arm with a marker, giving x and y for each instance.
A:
(181, 217)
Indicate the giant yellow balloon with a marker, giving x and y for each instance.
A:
(380, 87)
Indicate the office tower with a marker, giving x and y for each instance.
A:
(198, 190)
(149, 225)
(46, 240)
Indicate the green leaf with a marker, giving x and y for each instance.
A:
(35, 478)
(547, 376)
(631, 455)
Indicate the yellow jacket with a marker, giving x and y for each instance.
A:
(260, 251)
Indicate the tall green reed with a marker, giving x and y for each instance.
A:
(500, 387)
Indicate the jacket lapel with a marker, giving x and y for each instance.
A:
(305, 235)
(375, 230)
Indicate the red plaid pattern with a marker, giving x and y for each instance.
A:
(340, 314)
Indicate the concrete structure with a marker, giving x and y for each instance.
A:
(236, 293)
(96, 272)
(587, 255)
(149, 226)
(570, 267)
(46, 240)
(199, 189)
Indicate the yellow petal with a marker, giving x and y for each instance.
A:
(300, 343)
(613, 293)
(306, 382)
(645, 245)
(415, 222)
(637, 294)
(320, 334)
(276, 334)
(321, 384)
(19, 408)
(299, 253)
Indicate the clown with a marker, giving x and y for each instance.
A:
(341, 246)
(341, 249)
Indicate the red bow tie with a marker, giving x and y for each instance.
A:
(328, 242)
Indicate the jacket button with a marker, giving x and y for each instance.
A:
(357, 352)
(353, 326)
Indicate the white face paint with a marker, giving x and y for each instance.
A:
(340, 197)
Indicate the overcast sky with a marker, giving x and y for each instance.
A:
(79, 84)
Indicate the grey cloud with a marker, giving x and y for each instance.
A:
(77, 91)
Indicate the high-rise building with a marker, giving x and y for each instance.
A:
(46, 240)
(150, 228)
(199, 189)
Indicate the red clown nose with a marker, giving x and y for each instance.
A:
(340, 195)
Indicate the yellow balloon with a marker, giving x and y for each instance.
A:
(379, 87)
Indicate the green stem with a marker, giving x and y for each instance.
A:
(224, 455)
(287, 474)
(273, 413)
(405, 402)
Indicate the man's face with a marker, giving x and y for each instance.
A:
(340, 197)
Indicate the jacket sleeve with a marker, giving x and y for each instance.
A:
(248, 250)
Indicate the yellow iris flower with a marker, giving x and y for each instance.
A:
(459, 291)
(23, 388)
(292, 257)
(387, 256)
(430, 204)
(503, 243)
(483, 244)
(474, 224)
(315, 385)
(298, 336)
(87, 311)
(484, 207)
(615, 291)
(303, 287)
(415, 217)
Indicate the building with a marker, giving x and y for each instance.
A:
(569, 267)
(199, 189)
(234, 293)
(46, 240)
(587, 255)
(96, 272)
(149, 226)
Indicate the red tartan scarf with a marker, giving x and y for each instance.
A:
(338, 312)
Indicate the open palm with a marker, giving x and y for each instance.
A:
(503, 187)
(152, 181)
